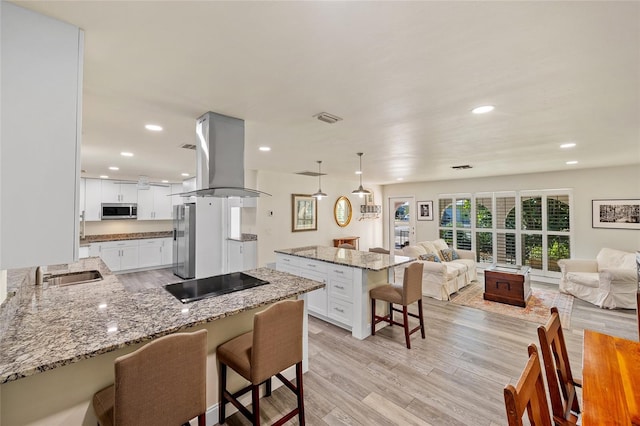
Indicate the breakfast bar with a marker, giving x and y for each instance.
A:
(349, 275)
(58, 343)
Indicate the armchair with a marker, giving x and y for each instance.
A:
(609, 281)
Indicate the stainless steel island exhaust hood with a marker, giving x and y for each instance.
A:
(220, 157)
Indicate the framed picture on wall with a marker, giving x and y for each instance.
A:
(304, 213)
(615, 214)
(425, 210)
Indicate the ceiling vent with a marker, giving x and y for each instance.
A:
(327, 118)
(462, 167)
(313, 174)
(188, 146)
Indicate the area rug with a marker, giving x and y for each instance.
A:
(537, 309)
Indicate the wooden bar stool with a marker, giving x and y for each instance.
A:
(528, 395)
(163, 382)
(562, 385)
(410, 292)
(274, 345)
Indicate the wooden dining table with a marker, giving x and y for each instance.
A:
(610, 380)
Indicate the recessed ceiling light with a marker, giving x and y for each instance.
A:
(114, 168)
(358, 172)
(127, 154)
(264, 148)
(400, 179)
(153, 127)
(165, 181)
(571, 162)
(568, 145)
(185, 174)
(483, 109)
(104, 177)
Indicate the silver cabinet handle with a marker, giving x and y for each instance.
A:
(340, 287)
(338, 272)
(339, 310)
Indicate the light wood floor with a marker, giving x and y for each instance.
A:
(454, 377)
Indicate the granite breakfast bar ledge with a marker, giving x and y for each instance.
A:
(72, 334)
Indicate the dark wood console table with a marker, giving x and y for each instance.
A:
(346, 240)
(508, 285)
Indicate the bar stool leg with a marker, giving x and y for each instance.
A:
(223, 387)
(421, 318)
(300, 394)
(405, 317)
(373, 317)
(390, 314)
(255, 402)
(267, 385)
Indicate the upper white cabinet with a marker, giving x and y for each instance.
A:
(114, 191)
(40, 131)
(92, 199)
(154, 203)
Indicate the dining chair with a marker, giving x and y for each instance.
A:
(528, 394)
(163, 382)
(347, 246)
(562, 385)
(274, 345)
(410, 292)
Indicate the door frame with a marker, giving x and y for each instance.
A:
(393, 202)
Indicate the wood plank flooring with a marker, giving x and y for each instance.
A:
(454, 377)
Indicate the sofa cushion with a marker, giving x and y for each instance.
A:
(449, 254)
(589, 279)
(468, 263)
(454, 269)
(440, 244)
(611, 258)
(414, 251)
(429, 247)
(430, 257)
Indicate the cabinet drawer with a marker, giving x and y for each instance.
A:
(340, 272)
(287, 260)
(342, 289)
(119, 244)
(153, 242)
(341, 311)
(313, 266)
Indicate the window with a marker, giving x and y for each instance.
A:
(518, 228)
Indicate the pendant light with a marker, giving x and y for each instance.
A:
(360, 191)
(319, 194)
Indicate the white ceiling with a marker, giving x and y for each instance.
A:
(403, 75)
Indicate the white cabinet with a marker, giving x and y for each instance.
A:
(241, 255)
(92, 199)
(40, 133)
(120, 255)
(167, 251)
(154, 203)
(340, 297)
(149, 253)
(95, 249)
(176, 200)
(119, 192)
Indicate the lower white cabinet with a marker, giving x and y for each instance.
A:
(120, 255)
(241, 255)
(134, 254)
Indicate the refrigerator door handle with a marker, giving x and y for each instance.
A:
(175, 234)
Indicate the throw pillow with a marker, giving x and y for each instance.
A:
(413, 251)
(454, 254)
(440, 244)
(447, 254)
(430, 257)
(428, 246)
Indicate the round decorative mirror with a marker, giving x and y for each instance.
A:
(342, 211)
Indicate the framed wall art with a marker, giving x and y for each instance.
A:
(615, 214)
(425, 210)
(304, 213)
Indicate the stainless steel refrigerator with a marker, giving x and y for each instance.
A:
(184, 240)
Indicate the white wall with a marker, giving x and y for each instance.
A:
(274, 232)
(587, 184)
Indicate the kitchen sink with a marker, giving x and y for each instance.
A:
(74, 278)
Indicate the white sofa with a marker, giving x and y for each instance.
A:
(609, 281)
(440, 280)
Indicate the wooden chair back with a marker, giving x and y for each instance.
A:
(562, 385)
(528, 395)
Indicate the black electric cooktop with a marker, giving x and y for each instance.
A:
(199, 288)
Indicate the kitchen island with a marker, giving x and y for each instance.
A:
(349, 275)
(58, 343)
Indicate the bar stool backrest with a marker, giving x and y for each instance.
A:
(412, 283)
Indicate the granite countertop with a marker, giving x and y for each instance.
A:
(348, 257)
(119, 237)
(49, 326)
(245, 237)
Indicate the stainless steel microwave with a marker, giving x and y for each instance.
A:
(119, 211)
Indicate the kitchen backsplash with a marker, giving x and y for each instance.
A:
(127, 226)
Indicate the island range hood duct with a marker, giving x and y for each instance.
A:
(220, 157)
